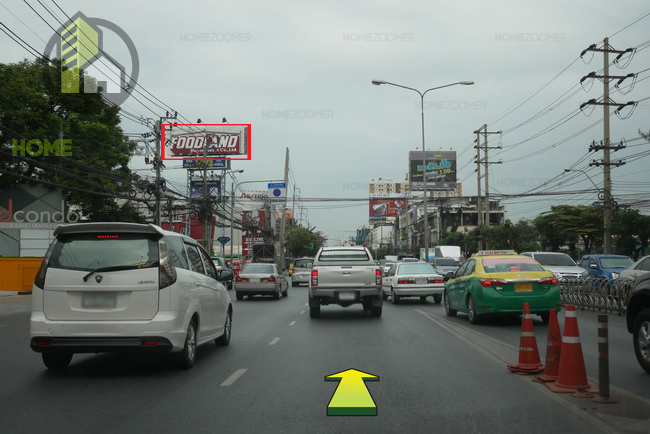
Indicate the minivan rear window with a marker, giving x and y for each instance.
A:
(90, 251)
(343, 255)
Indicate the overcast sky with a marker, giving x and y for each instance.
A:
(257, 62)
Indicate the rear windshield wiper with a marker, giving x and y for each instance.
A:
(113, 268)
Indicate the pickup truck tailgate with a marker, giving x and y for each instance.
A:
(346, 276)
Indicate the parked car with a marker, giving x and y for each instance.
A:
(638, 319)
(499, 282)
(108, 287)
(261, 279)
(445, 265)
(642, 266)
(413, 280)
(560, 264)
(221, 264)
(300, 271)
(605, 266)
(345, 276)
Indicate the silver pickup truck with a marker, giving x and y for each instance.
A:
(345, 276)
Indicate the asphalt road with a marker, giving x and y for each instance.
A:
(436, 374)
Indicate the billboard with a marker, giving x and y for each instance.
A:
(205, 141)
(386, 205)
(196, 189)
(440, 171)
(203, 164)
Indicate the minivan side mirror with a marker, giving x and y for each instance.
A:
(224, 275)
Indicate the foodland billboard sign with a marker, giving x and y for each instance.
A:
(205, 142)
(440, 170)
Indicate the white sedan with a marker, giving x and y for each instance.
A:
(413, 279)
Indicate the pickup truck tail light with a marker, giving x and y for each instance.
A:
(314, 277)
(493, 282)
(548, 281)
(378, 276)
(405, 281)
(435, 280)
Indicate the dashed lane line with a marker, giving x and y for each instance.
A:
(234, 377)
(274, 341)
(292, 323)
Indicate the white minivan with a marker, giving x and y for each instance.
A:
(110, 287)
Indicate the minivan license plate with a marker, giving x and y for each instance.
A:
(98, 300)
(346, 296)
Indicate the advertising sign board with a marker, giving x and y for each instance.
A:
(440, 170)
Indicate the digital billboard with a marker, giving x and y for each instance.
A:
(440, 171)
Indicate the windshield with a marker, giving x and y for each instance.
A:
(303, 263)
(511, 265)
(87, 252)
(612, 262)
(557, 260)
(446, 262)
(258, 269)
(419, 268)
(343, 255)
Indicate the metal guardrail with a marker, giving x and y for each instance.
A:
(602, 295)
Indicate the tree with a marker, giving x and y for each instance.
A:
(33, 107)
(304, 242)
(632, 232)
(564, 224)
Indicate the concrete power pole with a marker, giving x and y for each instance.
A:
(606, 143)
(283, 216)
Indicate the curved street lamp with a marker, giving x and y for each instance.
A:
(424, 157)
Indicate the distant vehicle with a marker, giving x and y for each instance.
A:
(409, 260)
(413, 280)
(560, 264)
(500, 282)
(300, 271)
(605, 266)
(387, 266)
(445, 265)
(221, 264)
(638, 319)
(642, 266)
(345, 276)
(110, 287)
(448, 252)
(261, 279)
(264, 253)
(391, 258)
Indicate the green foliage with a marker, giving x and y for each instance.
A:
(33, 107)
(632, 231)
(303, 241)
(564, 224)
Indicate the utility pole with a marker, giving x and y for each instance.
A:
(606, 143)
(207, 215)
(479, 215)
(484, 210)
(283, 217)
(158, 162)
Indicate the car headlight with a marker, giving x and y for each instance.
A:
(615, 275)
(585, 274)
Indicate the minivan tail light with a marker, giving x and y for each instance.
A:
(166, 271)
(39, 279)
(378, 276)
(314, 277)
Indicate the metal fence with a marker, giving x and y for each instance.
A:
(600, 295)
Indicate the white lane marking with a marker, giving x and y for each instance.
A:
(292, 323)
(234, 377)
(274, 341)
(301, 312)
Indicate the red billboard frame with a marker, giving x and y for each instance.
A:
(162, 141)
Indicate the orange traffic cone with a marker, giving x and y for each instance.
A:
(529, 362)
(553, 350)
(572, 376)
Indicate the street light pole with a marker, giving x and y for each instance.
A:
(587, 175)
(424, 155)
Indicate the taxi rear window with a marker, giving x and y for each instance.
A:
(510, 265)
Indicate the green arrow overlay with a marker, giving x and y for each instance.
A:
(351, 397)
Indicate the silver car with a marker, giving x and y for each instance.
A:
(560, 264)
(301, 270)
(415, 279)
(640, 267)
(261, 279)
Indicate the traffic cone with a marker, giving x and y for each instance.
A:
(529, 362)
(572, 376)
(553, 350)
